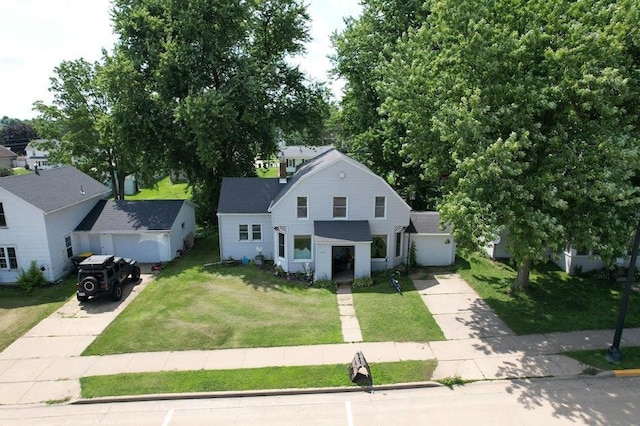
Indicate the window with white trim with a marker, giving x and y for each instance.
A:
(68, 246)
(339, 207)
(8, 258)
(303, 212)
(3, 219)
(302, 247)
(255, 235)
(280, 244)
(256, 232)
(243, 232)
(380, 207)
(379, 247)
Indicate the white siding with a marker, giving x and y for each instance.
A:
(360, 187)
(26, 232)
(143, 246)
(230, 244)
(434, 250)
(184, 224)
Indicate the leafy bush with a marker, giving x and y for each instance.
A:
(328, 284)
(362, 282)
(31, 278)
(413, 260)
(4, 171)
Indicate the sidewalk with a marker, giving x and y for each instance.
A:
(45, 364)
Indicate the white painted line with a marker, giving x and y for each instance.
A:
(349, 413)
(167, 418)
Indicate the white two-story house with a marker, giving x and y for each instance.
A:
(334, 216)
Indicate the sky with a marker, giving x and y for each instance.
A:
(36, 35)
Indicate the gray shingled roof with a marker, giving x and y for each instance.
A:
(295, 151)
(247, 195)
(426, 223)
(122, 215)
(54, 189)
(326, 231)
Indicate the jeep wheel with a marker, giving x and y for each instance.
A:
(135, 273)
(89, 285)
(117, 293)
(81, 298)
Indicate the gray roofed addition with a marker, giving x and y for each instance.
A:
(328, 231)
(426, 223)
(54, 189)
(122, 215)
(248, 195)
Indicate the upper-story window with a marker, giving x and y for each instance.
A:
(380, 207)
(339, 207)
(3, 219)
(291, 162)
(302, 208)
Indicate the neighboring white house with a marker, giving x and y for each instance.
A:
(49, 216)
(148, 231)
(497, 249)
(434, 244)
(37, 156)
(38, 214)
(296, 155)
(334, 215)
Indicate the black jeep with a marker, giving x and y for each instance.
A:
(104, 274)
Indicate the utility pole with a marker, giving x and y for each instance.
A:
(613, 353)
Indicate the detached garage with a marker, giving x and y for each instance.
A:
(147, 231)
(434, 246)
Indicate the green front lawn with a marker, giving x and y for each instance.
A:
(554, 301)
(386, 316)
(317, 376)
(193, 306)
(630, 358)
(20, 311)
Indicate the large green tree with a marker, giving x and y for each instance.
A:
(531, 110)
(362, 50)
(220, 79)
(81, 124)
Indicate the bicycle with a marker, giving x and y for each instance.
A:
(393, 282)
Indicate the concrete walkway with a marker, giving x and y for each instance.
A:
(45, 364)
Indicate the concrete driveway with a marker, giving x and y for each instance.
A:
(44, 364)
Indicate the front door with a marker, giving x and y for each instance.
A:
(343, 260)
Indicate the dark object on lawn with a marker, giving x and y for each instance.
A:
(359, 370)
(156, 266)
(393, 282)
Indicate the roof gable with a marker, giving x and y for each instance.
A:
(54, 189)
(122, 215)
(7, 153)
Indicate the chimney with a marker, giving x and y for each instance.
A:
(283, 168)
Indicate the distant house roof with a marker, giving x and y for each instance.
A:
(426, 223)
(247, 195)
(7, 153)
(331, 231)
(123, 216)
(54, 189)
(300, 151)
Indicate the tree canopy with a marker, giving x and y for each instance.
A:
(531, 111)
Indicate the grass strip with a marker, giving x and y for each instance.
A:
(597, 358)
(299, 377)
(386, 316)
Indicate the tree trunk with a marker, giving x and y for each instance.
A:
(522, 280)
(121, 178)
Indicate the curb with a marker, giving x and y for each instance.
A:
(632, 372)
(252, 393)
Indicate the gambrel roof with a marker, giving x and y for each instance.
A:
(123, 216)
(54, 189)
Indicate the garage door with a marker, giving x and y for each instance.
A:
(143, 248)
(433, 250)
